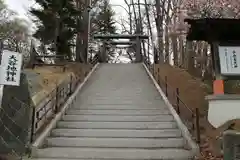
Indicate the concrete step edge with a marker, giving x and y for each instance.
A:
(116, 133)
(113, 154)
(156, 143)
(118, 125)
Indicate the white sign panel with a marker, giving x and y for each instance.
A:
(10, 68)
(229, 60)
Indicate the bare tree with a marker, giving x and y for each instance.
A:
(130, 16)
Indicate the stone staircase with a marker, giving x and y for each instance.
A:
(119, 115)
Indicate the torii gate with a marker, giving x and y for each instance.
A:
(134, 40)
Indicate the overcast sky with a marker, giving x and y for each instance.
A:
(21, 6)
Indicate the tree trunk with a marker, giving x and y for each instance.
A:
(159, 25)
(181, 51)
(175, 50)
(150, 31)
(167, 20)
(78, 38)
(190, 57)
(86, 19)
(78, 48)
(166, 55)
(134, 13)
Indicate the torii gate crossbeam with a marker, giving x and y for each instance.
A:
(136, 37)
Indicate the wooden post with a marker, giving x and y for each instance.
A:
(166, 86)
(197, 121)
(177, 100)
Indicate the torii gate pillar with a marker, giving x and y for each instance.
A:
(138, 50)
(103, 57)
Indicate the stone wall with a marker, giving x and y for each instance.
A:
(37, 87)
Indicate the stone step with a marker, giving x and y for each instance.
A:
(111, 99)
(117, 93)
(117, 118)
(118, 115)
(117, 125)
(117, 112)
(120, 107)
(82, 159)
(111, 96)
(121, 102)
(107, 133)
(113, 154)
(55, 159)
(115, 142)
(118, 100)
(115, 96)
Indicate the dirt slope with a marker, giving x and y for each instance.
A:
(192, 94)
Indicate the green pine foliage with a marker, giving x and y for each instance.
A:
(56, 22)
(105, 19)
(60, 21)
(106, 25)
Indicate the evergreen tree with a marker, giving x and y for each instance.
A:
(57, 23)
(105, 19)
(105, 24)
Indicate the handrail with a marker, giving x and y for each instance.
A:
(50, 106)
(179, 103)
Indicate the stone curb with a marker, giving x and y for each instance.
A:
(186, 134)
(40, 140)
